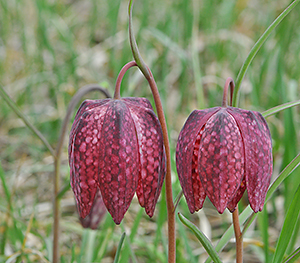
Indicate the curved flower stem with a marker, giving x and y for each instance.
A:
(229, 81)
(56, 203)
(160, 114)
(130, 64)
(238, 236)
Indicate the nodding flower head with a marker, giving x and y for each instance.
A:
(220, 153)
(116, 145)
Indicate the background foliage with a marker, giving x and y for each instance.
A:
(50, 48)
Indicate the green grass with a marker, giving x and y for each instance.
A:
(49, 49)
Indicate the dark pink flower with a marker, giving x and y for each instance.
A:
(220, 153)
(116, 145)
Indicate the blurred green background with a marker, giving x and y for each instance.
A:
(51, 48)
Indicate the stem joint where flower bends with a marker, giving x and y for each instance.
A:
(229, 82)
(130, 64)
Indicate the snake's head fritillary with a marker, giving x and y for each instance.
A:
(220, 153)
(116, 145)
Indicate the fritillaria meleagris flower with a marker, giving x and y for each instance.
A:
(97, 213)
(116, 145)
(220, 153)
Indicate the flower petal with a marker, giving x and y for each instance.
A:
(118, 159)
(139, 102)
(83, 158)
(85, 106)
(185, 163)
(151, 154)
(258, 154)
(96, 214)
(221, 159)
(232, 205)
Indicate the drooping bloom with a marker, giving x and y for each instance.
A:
(97, 213)
(116, 145)
(220, 153)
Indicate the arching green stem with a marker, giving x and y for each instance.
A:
(160, 113)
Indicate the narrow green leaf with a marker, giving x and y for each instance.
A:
(65, 189)
(184, 238)
(103, 245)
(257, 47)
(294, 256)
(127, 251)
(90, 244)
(279, 108)
(287, 228)
(284, 174)
(294, 238)
(84, 241)
(5, 188)
(15, 108)
(135, 225)
(119, 248)
(202, 238)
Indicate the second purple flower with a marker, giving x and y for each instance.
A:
(220, 153)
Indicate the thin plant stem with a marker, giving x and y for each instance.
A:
(168, 182)
(160, 114)
(238, 236)
(56, 203)
(120, 77)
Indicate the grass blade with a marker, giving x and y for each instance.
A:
(294, 256)
(202, 238)
(257, 47)
(287, 228)
(119, 248)
(279, 108)
(15, 108)
(4, 185)
(284, 174)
